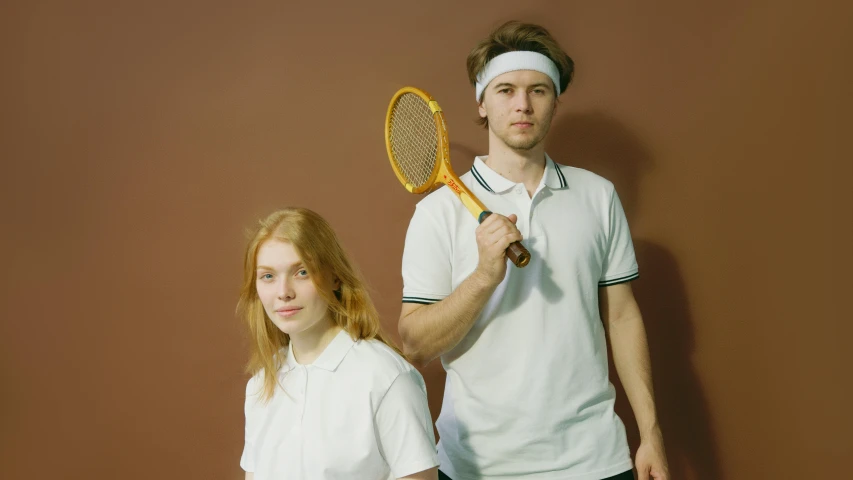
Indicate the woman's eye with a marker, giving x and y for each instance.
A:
(302, 273)
(266, 276)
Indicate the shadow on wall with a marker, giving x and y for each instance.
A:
(599, 143)
(462, 157)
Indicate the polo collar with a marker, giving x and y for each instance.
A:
(332, 355)
(496, 183)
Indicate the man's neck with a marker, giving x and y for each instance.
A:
(519, 166)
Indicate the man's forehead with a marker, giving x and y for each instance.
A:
(522, 78)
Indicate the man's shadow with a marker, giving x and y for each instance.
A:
(599, 143)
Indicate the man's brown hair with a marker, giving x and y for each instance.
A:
(517, 36)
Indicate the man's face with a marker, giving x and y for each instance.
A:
(519, 106)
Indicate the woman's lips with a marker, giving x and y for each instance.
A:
(288, 311)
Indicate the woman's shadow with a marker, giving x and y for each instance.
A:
(599, 143)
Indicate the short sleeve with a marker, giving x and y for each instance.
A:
(404, 426)
(620, 263)
(253, 413)
(427, 275)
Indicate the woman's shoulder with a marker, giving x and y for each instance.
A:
(383, 362)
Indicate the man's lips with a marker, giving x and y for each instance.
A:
(288, 311)
(522, 124)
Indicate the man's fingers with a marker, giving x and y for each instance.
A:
(506, 240)
(495, 222)
(494, 233)
(497, 232)
(499, 247)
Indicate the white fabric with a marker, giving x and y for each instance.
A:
(358, 412)
(527, 392)
(512, 61)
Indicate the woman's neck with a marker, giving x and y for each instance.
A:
(309, 344)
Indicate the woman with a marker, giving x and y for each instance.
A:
(329, 398)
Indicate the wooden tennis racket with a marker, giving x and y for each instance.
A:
(416, 139)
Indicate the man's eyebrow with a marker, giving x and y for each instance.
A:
(507, 84)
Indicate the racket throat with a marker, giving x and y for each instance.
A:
(475, 207)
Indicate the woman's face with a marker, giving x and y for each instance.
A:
(287, 292)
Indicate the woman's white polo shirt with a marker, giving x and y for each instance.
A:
(358, 412)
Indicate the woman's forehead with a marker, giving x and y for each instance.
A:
(277, 253)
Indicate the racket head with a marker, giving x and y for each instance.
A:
(416, 139)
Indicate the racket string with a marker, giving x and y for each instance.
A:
(414, 139)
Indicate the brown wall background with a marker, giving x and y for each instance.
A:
(140, 139)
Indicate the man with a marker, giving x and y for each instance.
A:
(527, 392)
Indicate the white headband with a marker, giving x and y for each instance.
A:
(512, 61)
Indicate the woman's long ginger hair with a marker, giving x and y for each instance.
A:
(318, 247)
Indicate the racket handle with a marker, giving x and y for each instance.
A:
(519, 255)
(516, 252)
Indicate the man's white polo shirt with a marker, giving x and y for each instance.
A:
(527, 392)
(358, 412)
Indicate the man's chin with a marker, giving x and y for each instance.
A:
(523, 146)
(521, 142)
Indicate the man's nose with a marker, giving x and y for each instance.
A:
(523, 102)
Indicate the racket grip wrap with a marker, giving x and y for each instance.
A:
(517, 253)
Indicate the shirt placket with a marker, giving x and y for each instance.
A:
(304, 388)
(296, 390)
(537, 198)
(302, 397)
(524, 204)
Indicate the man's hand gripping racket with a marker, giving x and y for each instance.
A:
(416, 139)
